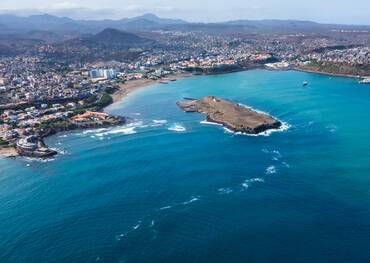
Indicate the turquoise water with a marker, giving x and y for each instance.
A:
(168, 188)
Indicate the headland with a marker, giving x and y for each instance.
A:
(85, 113)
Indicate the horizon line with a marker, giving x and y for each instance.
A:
(35, 12)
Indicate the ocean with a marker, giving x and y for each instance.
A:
(169, 187)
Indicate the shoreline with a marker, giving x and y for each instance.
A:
(8, 152)
(124, 90)
(231, 115)
(132, 85)
(328, 73)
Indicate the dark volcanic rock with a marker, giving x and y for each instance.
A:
(231, 115)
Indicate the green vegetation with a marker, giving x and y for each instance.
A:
(105, 100)
(53, 125)
(91, 99)
(3, 143)
(110, 90)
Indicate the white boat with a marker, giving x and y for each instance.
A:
(305, 83)
(365, 81)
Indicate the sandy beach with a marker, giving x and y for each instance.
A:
(133, 85)
(8, 152)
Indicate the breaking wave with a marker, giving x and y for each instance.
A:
(40, 160)
(165, 207)
(227, 190)
(210, 123)
(160, 121)
(248, 182)
(177, 128)
(94, 131)
(125, 130)
(194, 199)
(284, 127)
(271, 170)
(136, 227)
(332, 128)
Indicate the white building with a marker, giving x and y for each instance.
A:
(103, 73)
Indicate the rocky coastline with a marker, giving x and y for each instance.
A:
(33, 145)
(322, 71)
(34, 142)
(231, 115)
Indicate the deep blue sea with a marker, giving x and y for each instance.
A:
(168, 188)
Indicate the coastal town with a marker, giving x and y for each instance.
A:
(55, 87)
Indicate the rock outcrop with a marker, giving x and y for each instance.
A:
(231, 115)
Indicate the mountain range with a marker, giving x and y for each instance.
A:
(18, 24)
(53, 28)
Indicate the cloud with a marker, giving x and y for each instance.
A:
(134, 8)
(165, 8)
(63, 5)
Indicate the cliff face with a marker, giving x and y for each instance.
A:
(231, 115)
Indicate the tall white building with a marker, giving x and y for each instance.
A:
(103, 73)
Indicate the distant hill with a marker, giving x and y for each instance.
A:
(47, 22)
(157, 20)
(43, 35)
(275, 24)
(6, 50)
(49, 19)
(35, 22)
(111, 37)
(12, 24)
(114, 36)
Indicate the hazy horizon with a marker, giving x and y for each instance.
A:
(336, 12)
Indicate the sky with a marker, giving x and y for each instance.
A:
(327, 11)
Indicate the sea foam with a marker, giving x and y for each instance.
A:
(271, 170)
(126, 129)
(159, 121)
(165, 207)
(210, 123)
(177, 128)
(284, 127)
(248, 182)
(227, 190)
(194, 199)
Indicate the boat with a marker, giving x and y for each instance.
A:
(365, 81)
(305, 83)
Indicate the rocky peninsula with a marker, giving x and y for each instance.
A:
(231, 115)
